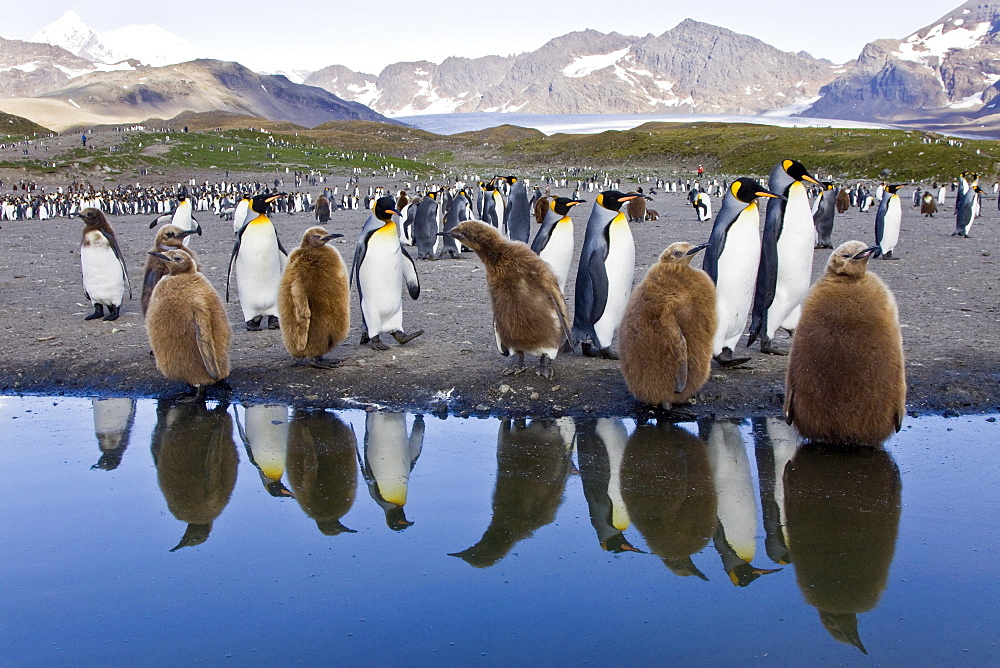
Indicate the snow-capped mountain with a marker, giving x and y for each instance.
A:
(149, 43)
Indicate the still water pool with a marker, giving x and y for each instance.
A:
(138, 533)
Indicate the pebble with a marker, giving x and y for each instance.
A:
(534, 396)
(482, 408)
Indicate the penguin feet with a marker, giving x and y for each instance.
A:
(607, 354)
(402, 338)
(545, 367)
(376, 343)
(319, 362)
(272, 322)
(567, 347)
(364, 339)
(888, 256)
(113, 315)
(618, 544)
(98, 312)
(590, 350)
(195, 395)
(727, 361)
(516, 367)
(253, 324)
(675, 413)
(767, 347)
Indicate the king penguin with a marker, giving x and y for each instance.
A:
(113, 419)
(425, 227)
(518, 211)
(554, 241)
(966, 204)
(168, 237)
(786, 256)
(388, 459)
(104, 272)
(460, 210)
(887, 221)
(604, 275)
(381, 267)
(731, 261)
(259, 260)
(182, 216)
(265, 437)
(600, 449)
(824, 209)
(241, 214)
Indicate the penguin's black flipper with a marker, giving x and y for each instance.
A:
(197, 225)
(161, 220)
(280, 247)
(767, 271)
(880, 220)
(542, 237)
(410, 274)
(113, 242)
(232, 258)
(599, 284)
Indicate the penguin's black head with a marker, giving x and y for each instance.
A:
(895, 187)
(747, 190)
(92, 216)
(562, 205)
(511, 179)
(262, 203)
(613, 200)
(828, 185)
(797, 171)
(385, 208)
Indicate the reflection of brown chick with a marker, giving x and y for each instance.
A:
(667, 487)
(529, 312)
(532, 466)
(187, 326)
(168, 237)
(842, 508)
(313, 299)
(196, 463)
(846, 381)
(667, 330)
(322, 467)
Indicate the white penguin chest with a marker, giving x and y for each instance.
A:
(381, 271)
(620, 263)
(798, 235)
(102, 272)
(558, 252)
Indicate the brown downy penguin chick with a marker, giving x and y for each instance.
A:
(168, 237)
(322, 209)
(313, 299)
(187, 327)
(529, 312)
(846, 379)
(541, 208)
(104, 272)
(667, 330)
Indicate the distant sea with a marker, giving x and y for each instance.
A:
(449, 124)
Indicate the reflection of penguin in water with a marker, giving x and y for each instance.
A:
(667, 487)
(529, 312)
(381, 266)
(168, 237)
(259, 260)
(731, 261)
(554, 241)
(322, 467)
(187, 327)
(824, 209)
(604, 275)
(113, 420)
(666, 332)
(104, 272)
(314, 299)
(389, 457)
(196, 462)
(736, 534)
(532, 466)
(846, 378)
(774, 445)
(600, 446)
(888, 219)
(518, 212)
(265, 438)
(843, 509)
(786, 256)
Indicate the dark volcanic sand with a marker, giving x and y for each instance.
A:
(946, 287)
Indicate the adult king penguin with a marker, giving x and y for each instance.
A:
(425, 227)
(460, 210)
(518, 211)
(824, 210)
(104, 272)
(887, 221)
(786, 256)
(966, 204)
(259, 259)
(846, 378)
(381, 266)
(554, 240)
(731, 261)
(604, 276)
(182, 216)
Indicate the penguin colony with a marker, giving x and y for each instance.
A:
(677, 321)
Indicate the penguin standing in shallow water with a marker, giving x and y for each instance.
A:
(824, 210)
(887, 221)
(259, 260)
(846, 378)
(381, 266)
(529, 312)
(554, 241)
(168, 237)
(104, 272)
(786, 256)
(666, 332)
(314, 299)
(731, 261)
(604, 275)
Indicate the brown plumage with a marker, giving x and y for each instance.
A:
(168, 237)
(843, 200)
(928, 205)
(541, 208)
(846, 379)
(322, 209)
(652, 214)
(187, 326)
(313, 299)
(667, 330)
(401, 200)
(529, 312)
(636, 210)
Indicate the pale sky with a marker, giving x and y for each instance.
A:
(366, 36)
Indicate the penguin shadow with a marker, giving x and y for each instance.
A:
(387, 460)
(668, 490)
(264, 432)
(843, 506)
(322, 469)
(113, 420)
(196, 462)
(533, 463)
